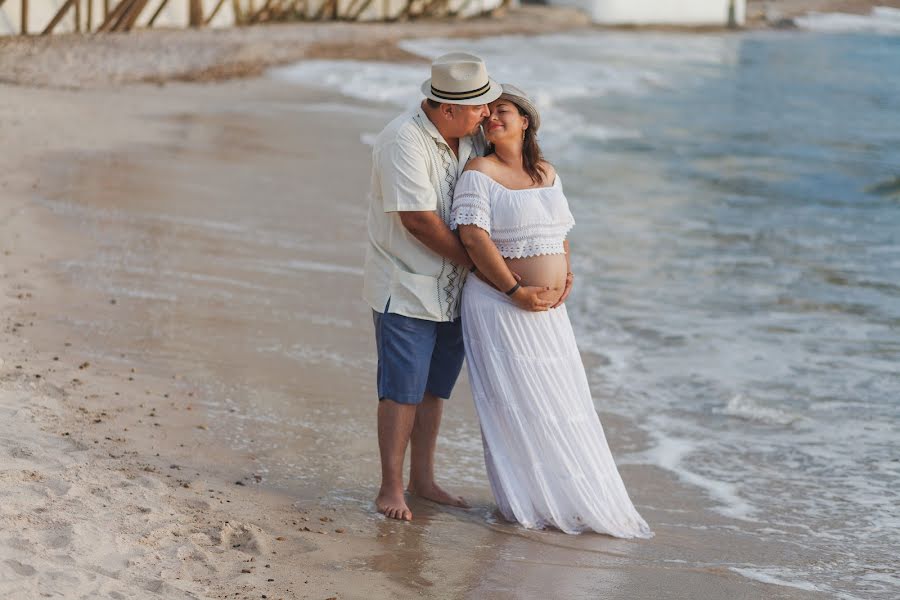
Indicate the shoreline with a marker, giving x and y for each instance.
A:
(205, 55)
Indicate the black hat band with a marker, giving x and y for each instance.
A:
(462, 95)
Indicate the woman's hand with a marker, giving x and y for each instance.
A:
(528, 297)
(570, 279)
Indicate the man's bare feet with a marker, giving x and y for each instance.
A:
(435, 493)
(393, 505)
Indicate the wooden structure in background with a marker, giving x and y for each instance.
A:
(125, 15)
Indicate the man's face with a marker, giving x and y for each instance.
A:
(467, 118)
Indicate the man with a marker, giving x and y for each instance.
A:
(415, 268)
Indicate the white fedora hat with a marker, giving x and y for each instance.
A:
(460, 78)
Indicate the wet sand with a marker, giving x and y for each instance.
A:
(187, 376)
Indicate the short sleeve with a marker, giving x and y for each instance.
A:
(405, 183)
(568, 217)
(471, 202)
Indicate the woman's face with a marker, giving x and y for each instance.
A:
(504, 122)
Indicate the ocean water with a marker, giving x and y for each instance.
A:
(737, 253)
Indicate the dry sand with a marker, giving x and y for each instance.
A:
(186, 373)
(160, 55)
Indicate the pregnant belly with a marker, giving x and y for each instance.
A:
(547, 271)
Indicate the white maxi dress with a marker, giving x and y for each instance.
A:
(545, 451)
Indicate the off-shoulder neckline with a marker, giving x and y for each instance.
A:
(530, 189)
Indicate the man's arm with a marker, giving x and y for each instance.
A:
(427, 227)
(407, 189)
(491, 264)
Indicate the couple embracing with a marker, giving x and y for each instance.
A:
(468, 258)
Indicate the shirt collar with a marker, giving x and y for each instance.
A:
(428, 125)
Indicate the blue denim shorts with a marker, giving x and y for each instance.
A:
(416, 356)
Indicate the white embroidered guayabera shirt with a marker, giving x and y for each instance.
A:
(521, 223)
(413, 170)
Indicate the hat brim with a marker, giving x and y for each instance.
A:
(490, 95)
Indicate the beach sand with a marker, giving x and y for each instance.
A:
(187, 370)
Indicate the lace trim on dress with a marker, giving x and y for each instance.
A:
(471, 206)
(521, 232)
(471, 209)
(465, 217)
(527, 248)
(532, 240)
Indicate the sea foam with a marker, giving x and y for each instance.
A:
(882, 20)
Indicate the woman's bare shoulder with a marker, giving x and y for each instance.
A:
(482, 164)
(549, 172)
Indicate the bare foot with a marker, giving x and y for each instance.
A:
(435, 493)
(393, 505)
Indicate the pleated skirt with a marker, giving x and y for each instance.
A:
(546, 455)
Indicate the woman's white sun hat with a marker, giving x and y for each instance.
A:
(521, 99)
(460, 78)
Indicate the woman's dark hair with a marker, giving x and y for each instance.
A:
(532, 157)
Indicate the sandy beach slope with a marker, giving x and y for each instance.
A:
(186, 368)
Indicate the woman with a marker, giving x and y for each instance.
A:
(546, 454)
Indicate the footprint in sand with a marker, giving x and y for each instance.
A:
(246, 538)
(20, 569)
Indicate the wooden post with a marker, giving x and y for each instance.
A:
(732, 17)
(262, 14)
(326, 7)
(214, 11)
(24, 28)
(134, 11)
(406, 12)
(58, 17)
(196, 13)
(90, 15)
(364, 5)
(112, 20)
(159, 9)
(348, 10)
(77, 16)
(105, 9)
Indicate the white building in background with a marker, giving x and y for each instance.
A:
(661, 12)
